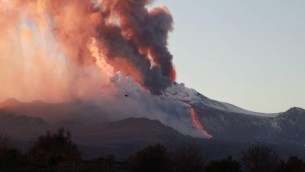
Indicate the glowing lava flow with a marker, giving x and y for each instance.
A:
(196, 121)
(198, 125)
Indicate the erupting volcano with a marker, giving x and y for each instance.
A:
(66, 50)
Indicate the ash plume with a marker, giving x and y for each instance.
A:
(94, 51)
(143, 34)
(53, 36)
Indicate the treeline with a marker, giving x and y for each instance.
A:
(56, 152)
(189, 158)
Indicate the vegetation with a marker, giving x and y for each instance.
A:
(293, 163)
(151, 159)
(9, 156)
(223, 165)
(53, 148)
(188, 158)
(259, 158)
(56, 152)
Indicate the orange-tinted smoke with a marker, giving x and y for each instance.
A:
(126, 32)
(140, 34)
(44, 50)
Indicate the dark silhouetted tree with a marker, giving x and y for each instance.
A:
(259, 158)
(188, 158)
(52, 148)
(10, 157)
(293, 163)
(109, 162)
(3, 142)
(153, 158)
(223, 165)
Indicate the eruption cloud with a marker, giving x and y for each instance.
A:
(59, 49)
(92, 50)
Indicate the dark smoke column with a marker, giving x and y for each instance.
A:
(134, 40)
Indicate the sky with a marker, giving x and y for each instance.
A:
(244, 52)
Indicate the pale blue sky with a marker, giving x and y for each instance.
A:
(250, 53)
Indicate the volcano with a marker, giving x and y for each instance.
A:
(232, 128)
(102, 69)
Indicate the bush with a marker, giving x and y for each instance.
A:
(188, 158)
(223, 165)
(10, 157)
(293, 163)
(152, 159)
(53, 148)
(259, 158)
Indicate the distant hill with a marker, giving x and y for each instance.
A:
(233, 128)
(54, 112)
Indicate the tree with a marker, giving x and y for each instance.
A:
(223, 165)
(151, 159)
(188, 158)
(259, 158)
(109, 161)
(10, 157)
(293, 163)
(52, 148)
(3, 141)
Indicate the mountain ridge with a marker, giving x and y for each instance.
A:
(228, 124)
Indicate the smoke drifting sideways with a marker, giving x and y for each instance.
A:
(94, 51)
(169, 108)
(45, 54)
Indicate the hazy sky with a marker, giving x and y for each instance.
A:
(248, 53)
